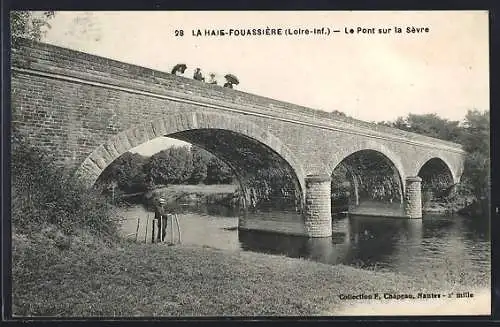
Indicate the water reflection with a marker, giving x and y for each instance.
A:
(410, 246)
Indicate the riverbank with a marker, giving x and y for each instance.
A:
(84, 276)
(226, 195)
(441, 207)
(178, 195)
(197, 189)
(374, 208)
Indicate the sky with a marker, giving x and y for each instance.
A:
(371, 77)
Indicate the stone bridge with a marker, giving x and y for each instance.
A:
(88, 110)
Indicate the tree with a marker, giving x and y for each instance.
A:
(171, 166)
(477, 173)
(476, 132)
(475, 140)
(428, 124)
(29, 24)
(201, 159)
(218, 172)
(401, 123)
(127, 172)
(473, 134)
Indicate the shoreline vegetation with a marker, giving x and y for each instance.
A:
(227, 195)
(179, 195)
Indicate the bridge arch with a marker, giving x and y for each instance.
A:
(343, 153)
(437, 179)
(354, 164)
(437, 160)
(176, 124)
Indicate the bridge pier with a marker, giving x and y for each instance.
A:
(413, 197)
(318, 213)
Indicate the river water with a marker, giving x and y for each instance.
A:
(433, 246)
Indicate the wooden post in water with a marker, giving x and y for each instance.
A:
(137, 229)
(153, 230)
(178, 227)
(161, 229)
(172, 228)
(146, 231)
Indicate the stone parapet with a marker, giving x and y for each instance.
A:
(63, 62)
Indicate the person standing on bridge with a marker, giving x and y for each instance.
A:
(230, 80)
(212, 79)
(179, 69)
(198, 75)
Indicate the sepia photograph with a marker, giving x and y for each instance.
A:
(176, 164)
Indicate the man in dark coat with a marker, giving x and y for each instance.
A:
(198, 76)
(161, 220)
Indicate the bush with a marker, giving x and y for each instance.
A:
(125, 173)
(44, 194)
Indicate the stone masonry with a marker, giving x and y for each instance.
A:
(88, 110)
(413, 197)
(318, 216)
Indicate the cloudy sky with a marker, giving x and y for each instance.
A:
(371, 77)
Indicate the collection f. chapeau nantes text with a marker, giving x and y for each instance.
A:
(271, 31)
(396, 296)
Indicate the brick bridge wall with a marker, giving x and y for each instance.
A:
(88, 110)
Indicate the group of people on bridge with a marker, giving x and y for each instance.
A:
(179, 69)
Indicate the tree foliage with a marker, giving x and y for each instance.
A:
(476, 141)
(428, 124)
(132, 172)
(126, 172)
(43, 194)
(29, 25)
(171, 166)
(473, 134)
(218, 172)
(201, 159)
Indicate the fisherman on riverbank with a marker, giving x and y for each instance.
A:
(161, 220)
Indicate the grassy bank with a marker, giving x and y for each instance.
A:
(186, 193)
(201, 189)
(87, 277)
